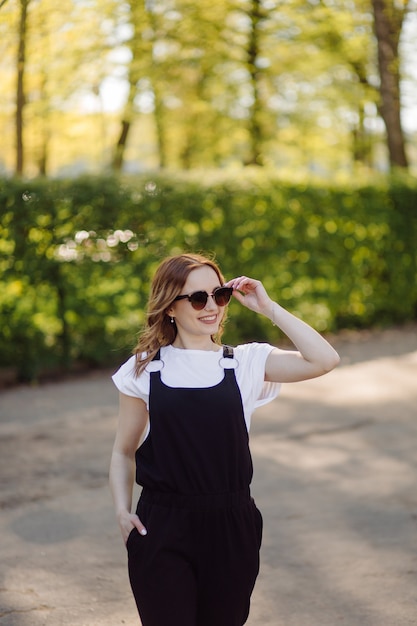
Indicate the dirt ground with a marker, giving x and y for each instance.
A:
(335, 477)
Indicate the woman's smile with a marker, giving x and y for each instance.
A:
(208, 319)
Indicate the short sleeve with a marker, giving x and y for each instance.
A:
(268, 393)
(251, 376)
(128, 383)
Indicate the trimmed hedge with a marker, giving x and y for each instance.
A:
(77, 257)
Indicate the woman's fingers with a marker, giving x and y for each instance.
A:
(141, 528)
(251, 293)
(243, 283)
(128, 523)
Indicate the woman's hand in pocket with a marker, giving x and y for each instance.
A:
(129, 521)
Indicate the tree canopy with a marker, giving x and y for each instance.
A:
(315, 86)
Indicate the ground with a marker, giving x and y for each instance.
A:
(335, 478)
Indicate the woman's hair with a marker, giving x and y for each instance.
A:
(167, 284)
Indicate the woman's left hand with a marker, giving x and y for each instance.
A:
(251, 293)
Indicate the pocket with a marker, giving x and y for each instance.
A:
(130, 536)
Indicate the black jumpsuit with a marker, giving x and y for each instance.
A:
(198, 563)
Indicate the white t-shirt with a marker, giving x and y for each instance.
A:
(201, 368)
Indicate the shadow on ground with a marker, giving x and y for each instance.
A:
(335, 476)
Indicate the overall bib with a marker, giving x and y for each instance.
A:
(198, 563)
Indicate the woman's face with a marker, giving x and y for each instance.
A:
(195, 325)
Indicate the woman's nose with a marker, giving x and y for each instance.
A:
(211, 303)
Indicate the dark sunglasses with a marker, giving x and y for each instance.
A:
(199, 299)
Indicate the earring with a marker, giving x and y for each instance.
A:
(172, 320)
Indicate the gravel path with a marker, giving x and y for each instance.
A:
(335, 477)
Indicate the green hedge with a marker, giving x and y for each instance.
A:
(77, 257)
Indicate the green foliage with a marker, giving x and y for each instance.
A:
(77, 257)
(183, 84)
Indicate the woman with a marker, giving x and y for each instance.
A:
(185, 407)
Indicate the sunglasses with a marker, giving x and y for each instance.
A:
(199, 299)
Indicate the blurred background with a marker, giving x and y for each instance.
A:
(280, 136)
(318, 86)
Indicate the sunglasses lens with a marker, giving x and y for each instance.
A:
(198, 300)
(222, 295)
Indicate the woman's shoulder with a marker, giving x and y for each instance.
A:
(128, 366)
(252, 356)
(252, 348)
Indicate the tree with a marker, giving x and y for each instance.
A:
(290, 84)
(256, 14)
(139, 48)
(20, 85)
(346, 38)
(388, 21)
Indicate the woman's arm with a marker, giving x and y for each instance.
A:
(314, 355)
(133, 418)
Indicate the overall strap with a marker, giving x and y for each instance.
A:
(157, 356)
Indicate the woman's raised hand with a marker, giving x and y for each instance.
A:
(251, 293)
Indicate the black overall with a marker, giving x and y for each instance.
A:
(198, 563)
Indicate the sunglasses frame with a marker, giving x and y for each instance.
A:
(189, 297)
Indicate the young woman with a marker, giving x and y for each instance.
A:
(185, 408)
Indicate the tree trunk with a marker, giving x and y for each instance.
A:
(142, 60)
(43, 161)
(160, 126)
(20, 87)
(387, 24)
(45, 134)
(135, 65)
(255, 128)
(118, 157)
(159, 109)
(362, 144)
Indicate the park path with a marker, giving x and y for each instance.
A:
(335, 477)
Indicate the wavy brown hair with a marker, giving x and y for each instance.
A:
(167, 284)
